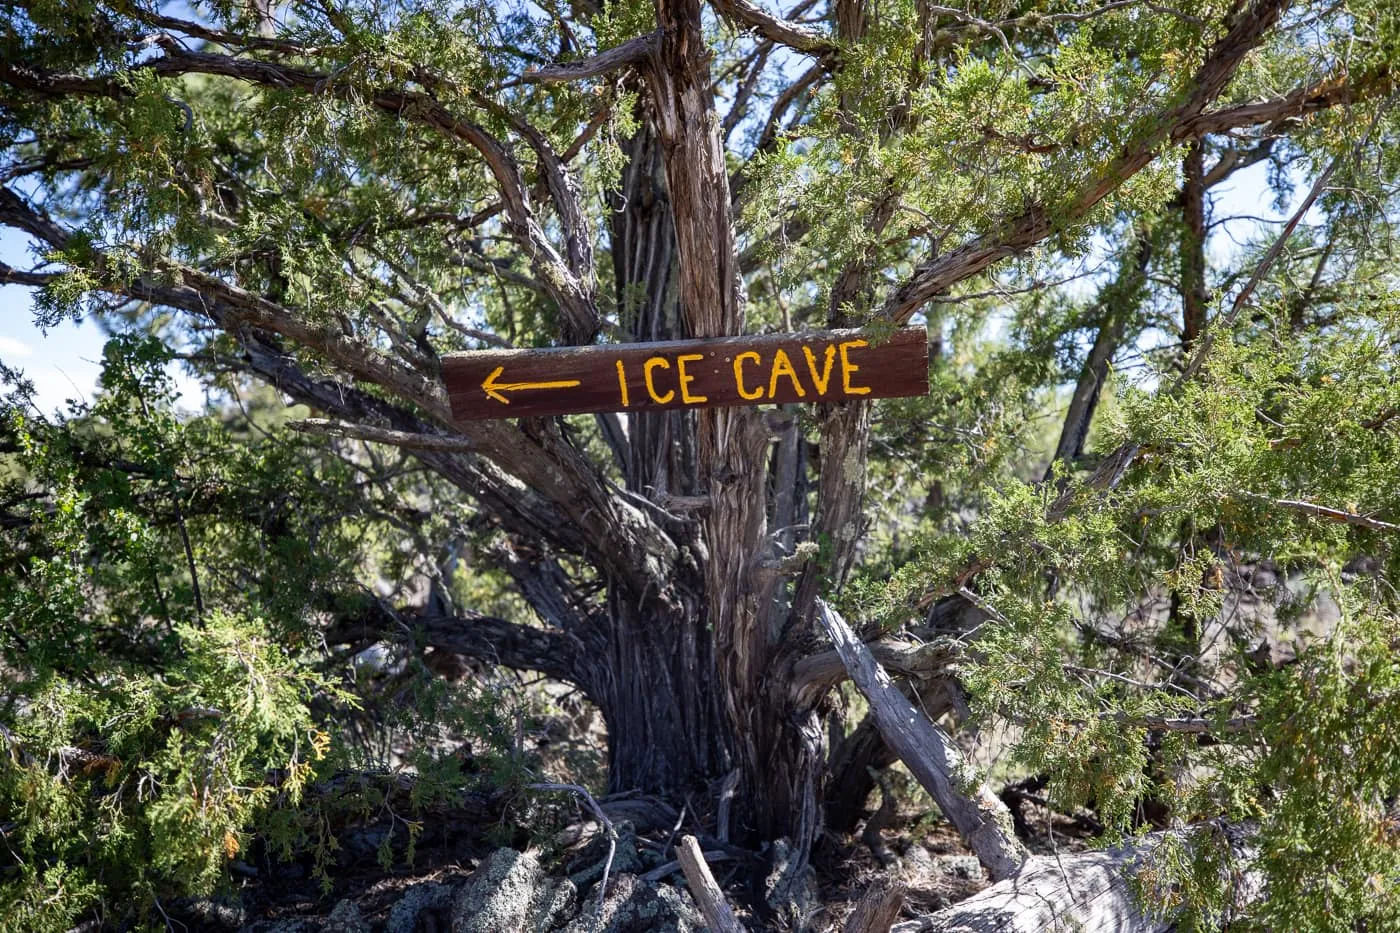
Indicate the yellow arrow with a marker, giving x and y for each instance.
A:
(494, 388)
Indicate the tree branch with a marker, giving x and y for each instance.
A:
(572, 288)
(749, 15)
(1333, 91)
(931, 755)
(609, 530)
(1037, 223)
(813, 676)
(487, 638)
(1329, 514)
(402, 439)
(634, 51)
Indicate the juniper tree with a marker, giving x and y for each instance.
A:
(1128, 423)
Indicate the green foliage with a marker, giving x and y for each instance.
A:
(165, 702)
(1190, 618)
(130, 782)
(1277, 421)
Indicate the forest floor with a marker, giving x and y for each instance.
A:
(470, 875)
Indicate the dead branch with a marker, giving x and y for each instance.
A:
(931, 755)
(603, 821)
(718, 914)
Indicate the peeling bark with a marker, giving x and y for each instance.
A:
(1193, 247)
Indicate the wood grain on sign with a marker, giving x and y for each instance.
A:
(830, 366)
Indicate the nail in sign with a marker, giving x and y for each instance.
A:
(821, 367)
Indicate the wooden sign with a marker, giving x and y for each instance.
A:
(819, 367)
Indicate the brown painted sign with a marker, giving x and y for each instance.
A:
(818, 367)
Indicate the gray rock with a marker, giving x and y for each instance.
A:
(346, 918)
(965, 867)
(633, 906)
(918, 863)
(429, 896)
(213, 913)
(295, 925)
(789, 887)
(509, 893)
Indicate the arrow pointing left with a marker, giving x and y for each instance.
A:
(496, 389)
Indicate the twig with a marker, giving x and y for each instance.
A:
(603, 821)
(362, 432)
(1331, 514)
(1194, 725)
(674, 829)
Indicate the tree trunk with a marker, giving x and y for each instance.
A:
(666, 726)
(778, 750)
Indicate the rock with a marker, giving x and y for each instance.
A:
(214, 913)
(917, 865)
(789, 887)
(346, 918)
(509, 893)
(427, 897)
(963, 867)
(633, 906)
(292, 925)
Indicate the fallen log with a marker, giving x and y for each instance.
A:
(1094, 891)
(932, 757)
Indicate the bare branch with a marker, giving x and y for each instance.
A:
(632, 52)
(812, 677)
(603, 821)
(1198, 358)
(488, 638)
(794, 35)
(940, 766)
(1327, 513)
(716, 910)
(403, 439)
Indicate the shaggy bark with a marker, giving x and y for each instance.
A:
(778, 763)
(1193, 246)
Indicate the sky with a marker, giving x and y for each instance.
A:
(65, 362)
